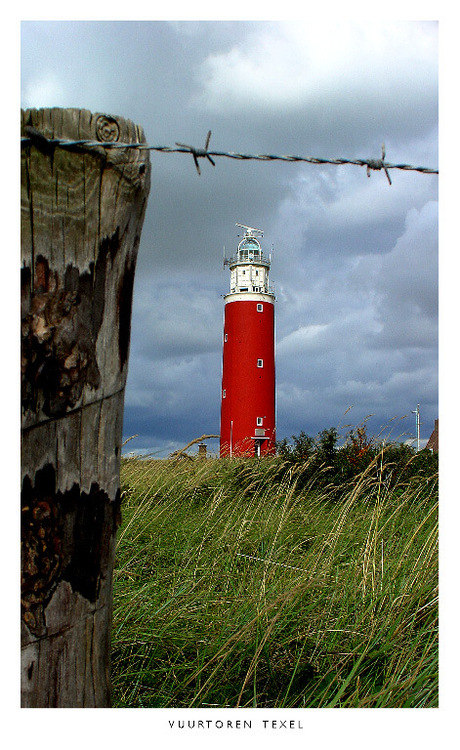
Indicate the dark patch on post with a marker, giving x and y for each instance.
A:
(71, 279)
(58, 356)
(41, 545)
(26, 280)
(110, 245)
(125, 302)
(42, 275)
(65, 536)
(94, 521)
(99, 275)
(61, 320)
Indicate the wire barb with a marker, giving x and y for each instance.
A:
(378, 164)
(199, 152)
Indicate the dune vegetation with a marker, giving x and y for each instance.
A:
(278, 582)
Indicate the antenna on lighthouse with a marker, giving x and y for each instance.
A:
(250, 230)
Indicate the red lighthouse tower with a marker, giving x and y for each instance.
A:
(247, 423)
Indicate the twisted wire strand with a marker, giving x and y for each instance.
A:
(375, 164)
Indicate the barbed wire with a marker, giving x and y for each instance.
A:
(44, 144)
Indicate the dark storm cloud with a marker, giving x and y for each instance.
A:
(355, 260)
(180, 324)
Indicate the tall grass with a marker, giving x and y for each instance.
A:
(237, 585)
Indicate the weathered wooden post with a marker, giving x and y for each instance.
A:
(82, 214)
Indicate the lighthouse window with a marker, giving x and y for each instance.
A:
(226, 337)
(244, 289)
(224, 393)
(260, 363)
(255, 288)
(260, 308)
(260, 421)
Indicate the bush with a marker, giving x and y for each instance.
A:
(320, 461)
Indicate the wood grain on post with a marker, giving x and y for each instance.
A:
(82, 211)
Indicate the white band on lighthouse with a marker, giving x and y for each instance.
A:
(249, 297)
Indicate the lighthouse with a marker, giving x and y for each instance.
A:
(247, 422)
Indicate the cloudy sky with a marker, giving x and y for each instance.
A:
(354, 260)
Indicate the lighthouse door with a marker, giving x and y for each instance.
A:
(257, 444)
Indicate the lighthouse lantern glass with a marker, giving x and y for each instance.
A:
(249, 249)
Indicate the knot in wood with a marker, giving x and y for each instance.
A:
(107, 129)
